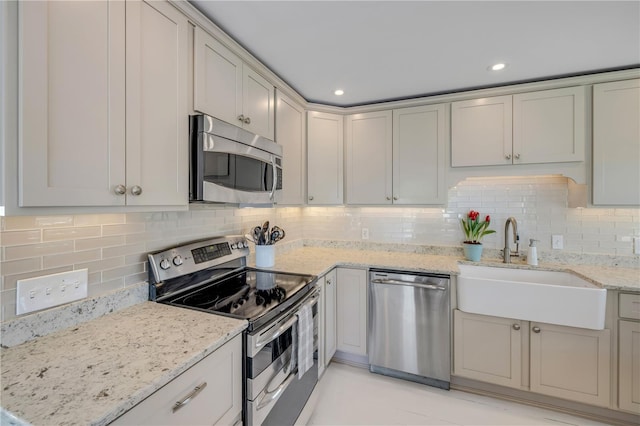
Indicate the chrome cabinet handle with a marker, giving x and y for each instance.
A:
(516, 327)
(508, 156)
(136, 190)
(536, 329)
(120, 189)
(187, 399)
(517, 156)
(247, 120)
(241, 118)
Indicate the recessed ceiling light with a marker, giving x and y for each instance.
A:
(497, 67)
(339, 92)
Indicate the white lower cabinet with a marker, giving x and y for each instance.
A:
(571, 363)
(352, 311)
(565, 362)
(210, 392)
(488, 348)
(629, 366)
(330, 303)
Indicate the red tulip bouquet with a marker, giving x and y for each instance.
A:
(475, 229)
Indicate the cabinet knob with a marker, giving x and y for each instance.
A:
(536, 329)
(241, 118)
(395, 198)
(247, 120)
(120, 189)
(508, 156)
(328, 282)
(136, 190)
(516, 327)
(311, 198)
(517, 156)
(388, 198)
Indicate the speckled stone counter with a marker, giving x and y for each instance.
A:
(319, 260)
(94, 372)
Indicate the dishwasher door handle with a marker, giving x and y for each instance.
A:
(409, 283)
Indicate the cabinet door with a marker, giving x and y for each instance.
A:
(157, 112)
(290, 134)
(72, 116)
(352, 311)
(258, 102)
(549, 126)
(325, 157)
(330, 316)
(616, 143)
(419, 138)
(481, 132)
(629, 367)
(368, 163)
(217, 86)
(218, 402)
(488, 348)
(571, 363)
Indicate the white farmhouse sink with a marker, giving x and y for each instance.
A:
(533, 295)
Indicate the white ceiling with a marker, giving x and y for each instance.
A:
(385, 50)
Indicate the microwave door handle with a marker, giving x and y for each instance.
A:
(275, 180)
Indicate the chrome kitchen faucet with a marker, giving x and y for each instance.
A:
(506, 252)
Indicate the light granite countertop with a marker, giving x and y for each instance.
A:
(319, 260)
(94, 372)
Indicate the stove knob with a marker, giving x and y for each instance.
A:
(234, 246)
(177, 260)
(164, 264)
(245, 244)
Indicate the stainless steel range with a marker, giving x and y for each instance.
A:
(212, 276)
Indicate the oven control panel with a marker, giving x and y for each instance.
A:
(196, 256)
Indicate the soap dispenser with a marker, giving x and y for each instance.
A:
(532, 253)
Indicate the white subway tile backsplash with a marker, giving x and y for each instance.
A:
(14, 238)
(35, 250)
(58, 234)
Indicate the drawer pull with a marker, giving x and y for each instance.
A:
(178, 405)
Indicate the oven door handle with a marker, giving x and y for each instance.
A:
(275, 394)
(284, 327)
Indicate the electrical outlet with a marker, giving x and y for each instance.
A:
(34, 294)
(636, 245)
(365, 233)
(557, 242)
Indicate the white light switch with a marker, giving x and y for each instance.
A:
(44, 292)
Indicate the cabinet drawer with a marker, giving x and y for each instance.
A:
(219, 401)
(629, 306)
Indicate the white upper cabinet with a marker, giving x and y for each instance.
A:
(368, 162)
(419, 161)
(325, 146)
(72, 115)
(228, 89)
(481, 132)
(527, 128)
(84, 139)
(396, 157)
(549, 126)
(290, 133)
(157, 83)
(616, 143)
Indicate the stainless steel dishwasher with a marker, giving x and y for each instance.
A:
(409, 326)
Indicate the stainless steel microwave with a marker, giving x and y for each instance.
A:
(232, 165)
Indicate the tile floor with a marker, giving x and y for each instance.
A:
(353, 396)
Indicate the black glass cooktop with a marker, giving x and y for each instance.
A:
(251, 294)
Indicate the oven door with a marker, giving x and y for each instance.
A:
(274, 393)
